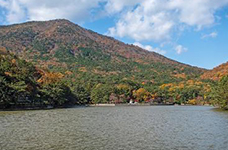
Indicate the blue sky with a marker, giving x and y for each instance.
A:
(190, 31)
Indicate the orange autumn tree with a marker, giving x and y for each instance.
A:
(141, 95)
(54, 91)
(49, 77)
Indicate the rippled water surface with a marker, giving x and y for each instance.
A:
(134, 128)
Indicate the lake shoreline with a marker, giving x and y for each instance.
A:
(96, 105)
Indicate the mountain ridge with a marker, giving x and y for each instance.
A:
(63, 44)
(94, 38)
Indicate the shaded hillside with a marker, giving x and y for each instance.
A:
(22, 85)
(62, 46)
(216, 73)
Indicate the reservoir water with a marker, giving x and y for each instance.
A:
(115, 128)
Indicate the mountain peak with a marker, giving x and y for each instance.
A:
(59, 21)
(62, 44)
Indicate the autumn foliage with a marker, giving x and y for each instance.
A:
(49, 77)
(217, 73)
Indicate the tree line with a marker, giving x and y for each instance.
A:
(22, 84)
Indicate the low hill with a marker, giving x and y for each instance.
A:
(216, 73)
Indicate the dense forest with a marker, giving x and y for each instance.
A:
(23, 84)
(58, 64)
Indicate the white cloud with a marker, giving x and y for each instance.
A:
(140, 27)
(144, 23)
(156, 20)
(211, 35)
(150, 48)
(180, 49)
(198, 13)
(75, 10)
(15, 13)
(115, 6)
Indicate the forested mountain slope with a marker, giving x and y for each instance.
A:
(70, 64)
(63, 46)
(216, 73)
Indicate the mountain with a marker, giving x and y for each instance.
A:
(62, 46)
(216, 73)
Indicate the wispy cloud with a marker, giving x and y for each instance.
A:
(211, 35)
(180, 49)
(150, 48)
